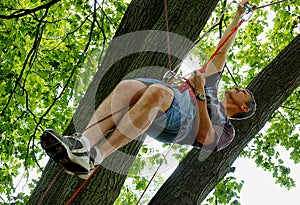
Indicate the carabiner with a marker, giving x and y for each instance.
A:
(248, 8)
(247, 15)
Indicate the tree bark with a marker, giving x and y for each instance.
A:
(124, 55)
(200, 172)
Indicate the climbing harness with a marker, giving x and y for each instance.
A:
(168, 77)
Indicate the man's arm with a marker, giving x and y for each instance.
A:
(217, 63)
(206, 134)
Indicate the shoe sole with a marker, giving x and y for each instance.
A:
(56, 147)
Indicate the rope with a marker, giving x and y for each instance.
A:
(250, 10)
(187, 84)
(82, 185)
(232, 77)
(216, 22)
(207, 32)
(153, 176)
(167, 34)
(49, 187)
(203, 69)
(267, 5)
(108, 116)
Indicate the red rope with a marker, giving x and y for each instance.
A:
(77, 191)
(49, 187)
(187, 84)
(203, 69)
(82, 185)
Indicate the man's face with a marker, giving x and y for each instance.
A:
(238, 96)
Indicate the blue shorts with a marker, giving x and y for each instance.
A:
(177, 123)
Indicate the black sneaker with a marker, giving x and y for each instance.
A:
(69, 152)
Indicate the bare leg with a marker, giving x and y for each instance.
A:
(113, 108)
(156, 98)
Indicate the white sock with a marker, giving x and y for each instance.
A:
(99, 158)
(86, 142)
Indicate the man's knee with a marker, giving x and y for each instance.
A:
(130, 84)
(161, 95)
(129, 90)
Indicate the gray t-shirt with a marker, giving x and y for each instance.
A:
(224, 129)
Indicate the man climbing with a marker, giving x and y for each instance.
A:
(160, 110)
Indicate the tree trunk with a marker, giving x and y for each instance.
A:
(124, 55)
(200, 172)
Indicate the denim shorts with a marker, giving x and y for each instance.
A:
(177, 123)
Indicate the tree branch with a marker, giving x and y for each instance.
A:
(103, 43)
(68, 34)
(291, 108)
(92, 28)
(24, 12)
(2, 199)
(111, 23)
